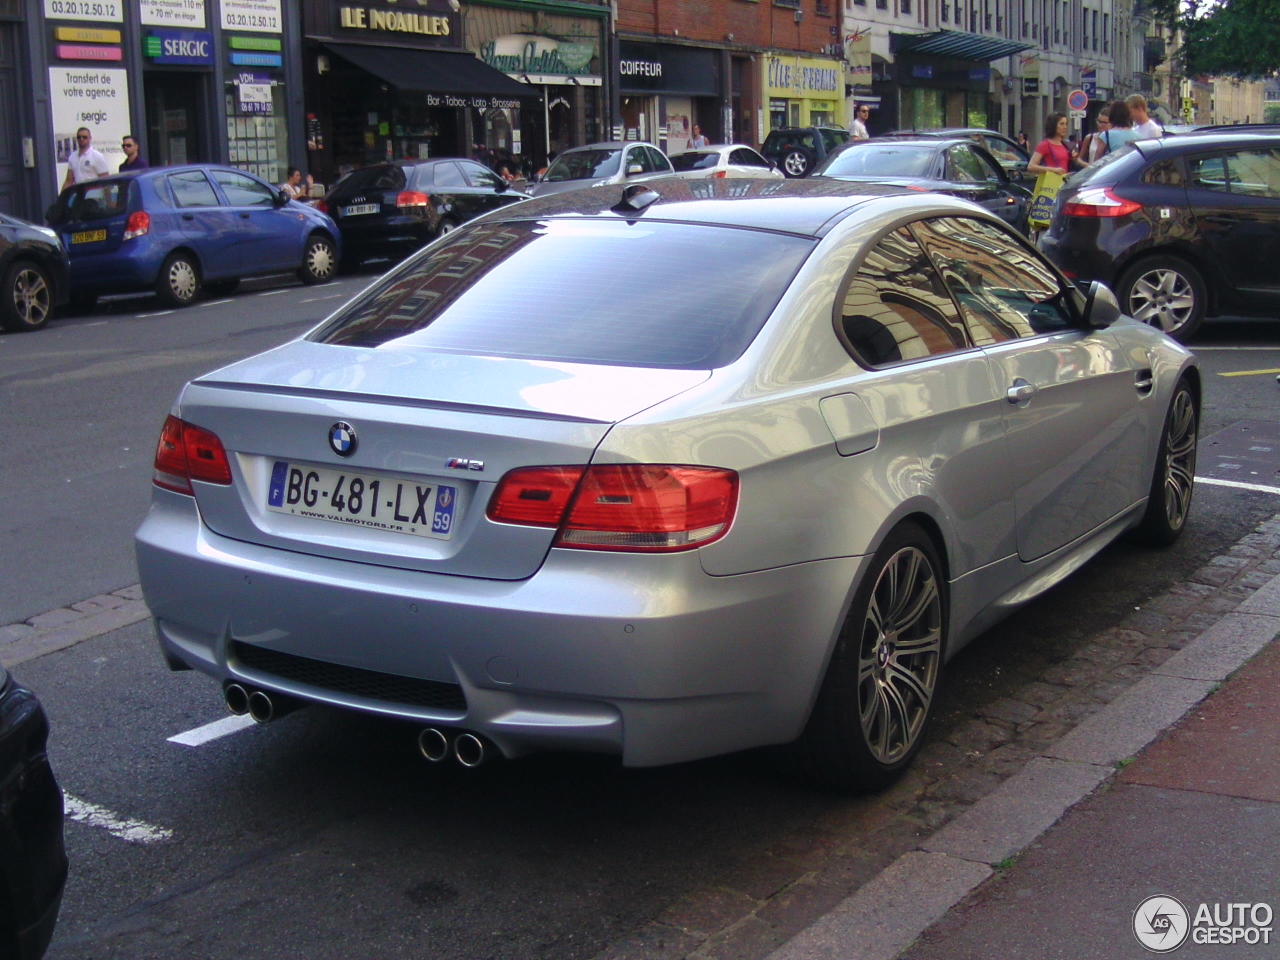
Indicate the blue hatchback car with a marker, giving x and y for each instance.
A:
(181, 230)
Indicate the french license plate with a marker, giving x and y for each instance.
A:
(397, 504)
(358, 209)
(89, 236)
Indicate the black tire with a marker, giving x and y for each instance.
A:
(796, 162)
(222, 288)
(26, 300)
(1166, 292)
(319, 260)
(1173, 478)
(179, 283)
(877, 697)
(447, 225)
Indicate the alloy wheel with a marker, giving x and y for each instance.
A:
(1164, 298)
(32, 299)
(1180, 460)
(900, 654)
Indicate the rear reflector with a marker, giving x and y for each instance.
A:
(185, 453)
(1099, 202)
(654, 508)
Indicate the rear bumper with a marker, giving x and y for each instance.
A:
(135, 266)
(646, 657)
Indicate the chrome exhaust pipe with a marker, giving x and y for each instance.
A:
(433, 744)
(265, 707)
(468, 750)
(237, 698)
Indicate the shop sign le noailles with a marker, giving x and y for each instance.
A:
(397, 19)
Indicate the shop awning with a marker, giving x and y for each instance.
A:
(957, 44)
(434, 71)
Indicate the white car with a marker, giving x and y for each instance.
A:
(725, 160)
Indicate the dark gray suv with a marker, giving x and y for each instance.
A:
(797, 150)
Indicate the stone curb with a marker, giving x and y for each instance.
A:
(887, 914)
(66, 626)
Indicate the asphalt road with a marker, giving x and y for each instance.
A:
(324, 835)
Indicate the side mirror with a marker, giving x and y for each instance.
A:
(633, 169)
(282, 198)
(1100, 306)
(502, 185)
(50, 213)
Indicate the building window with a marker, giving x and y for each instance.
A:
(1106, 32)
(905, 6)
(1095, 30)
(944, 13)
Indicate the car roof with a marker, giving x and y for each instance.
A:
(607, 145)
(947, 131)
(803, 206)
(1200, 139)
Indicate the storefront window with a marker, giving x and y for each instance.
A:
(821, 113)
(777, 114)
(925, 109)
(257, 132)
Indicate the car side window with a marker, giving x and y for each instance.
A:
(896, 308)
(1255, 173)
(990, 169)
(1005, 291)
(1209, 173)
(1003, 151)
(833, 138)
(448, 175)
(480, 176)
(657, 160)
(242, 191)
(745, 157)
(96, 201)
(192, 189)
(964, 166)
(1165, 173)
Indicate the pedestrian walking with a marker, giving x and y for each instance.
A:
(1052, 155)
(1121, 131)
(85, 163)
(697, 141)
(1143, 123)
(1093, 147)
(132, 154)
(861, 117)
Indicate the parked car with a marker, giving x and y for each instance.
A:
(34, 274)
(519, 494)
(597, 164)
(723, 161)
(392, 209)
(33, 861)
(178, 230)
(1007, 152)
(957, 166)
(797, 150)
(1183, 228)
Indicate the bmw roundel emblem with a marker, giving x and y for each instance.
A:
(342, 438)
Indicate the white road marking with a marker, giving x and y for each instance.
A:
(1260, 487)
(214, 303)
(131, 831)
(272, 293)
(212, 731)
(332, 296)
(159, 313)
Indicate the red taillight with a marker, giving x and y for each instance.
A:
(139, 223)
(628, 507)
(413, 198)
(322, 206)
(721, 174)
(1099, 202)
(185, 453)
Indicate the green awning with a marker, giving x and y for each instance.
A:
(957, 44)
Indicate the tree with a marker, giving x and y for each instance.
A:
(1236, 38)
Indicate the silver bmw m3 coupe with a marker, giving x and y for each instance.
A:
(664, 471)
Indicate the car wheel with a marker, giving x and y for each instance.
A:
(222, 288)
(1173, 480)
(877, 696)
(1166, 292)
(179, 282)
(28, 297)
(447, 225)
(797, 163)
(320, 261)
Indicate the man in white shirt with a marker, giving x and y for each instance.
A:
(859, 126)
(1143, 125)
(86, 163)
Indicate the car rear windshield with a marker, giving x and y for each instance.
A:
(881, 160)
(695, 160)
(100, 200)
(584, 165)
(655, 294)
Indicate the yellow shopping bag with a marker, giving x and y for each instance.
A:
(1042, 200)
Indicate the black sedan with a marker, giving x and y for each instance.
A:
(33, 861)
(1181, 228)
(958, 167)
(392, 209)
(33, 264)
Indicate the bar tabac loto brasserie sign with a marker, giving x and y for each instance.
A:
(423, 20)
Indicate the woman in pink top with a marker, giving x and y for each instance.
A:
(1052, 155)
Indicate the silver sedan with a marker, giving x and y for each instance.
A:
(664, 471)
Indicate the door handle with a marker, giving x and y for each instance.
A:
(188, 216)
(1020, 393)
(244, 216)
(1143, 381)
